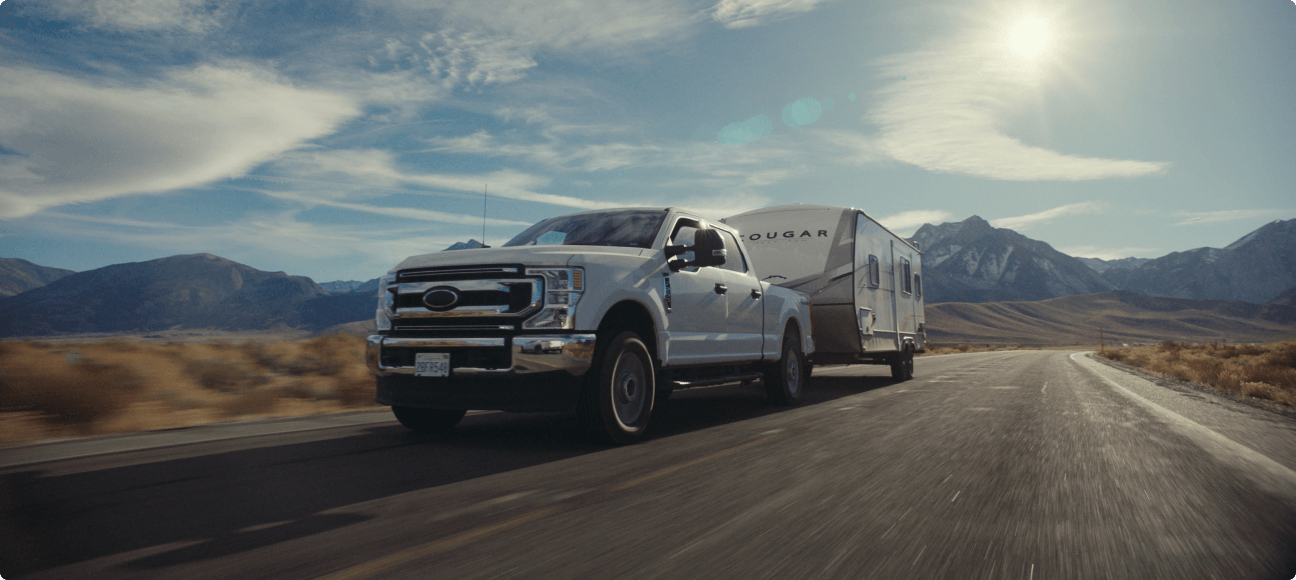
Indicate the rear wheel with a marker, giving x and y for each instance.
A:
(784, 381)
(428, 420)
(618, 398)
(902, 366)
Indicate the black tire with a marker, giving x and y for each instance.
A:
(785, 381)
(428, 421)
(902, 366)
(619, 394)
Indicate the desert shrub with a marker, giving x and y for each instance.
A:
(253, 402)
(63, 385)
(1263, 371)
(224, 375)
(962, 348)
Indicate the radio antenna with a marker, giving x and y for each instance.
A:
(485, 192)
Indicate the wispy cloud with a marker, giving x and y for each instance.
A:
(398, 212)
(268, 241)
(379, 168)
(749, 13)
(140, 15)
(1197, 218)
(570, 26)
(78, 141)
(457, 59)
(1025, 222)
(905, 223)
(946, 117)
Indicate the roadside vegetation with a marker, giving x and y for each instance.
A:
(1264, 371)
(960, 348)
(61, 390)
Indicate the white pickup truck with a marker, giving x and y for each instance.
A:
(603, 312)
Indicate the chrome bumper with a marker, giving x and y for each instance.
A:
(531, 354)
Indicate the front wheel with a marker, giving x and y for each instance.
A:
(618, 398)
(783, 382)
(428, 421)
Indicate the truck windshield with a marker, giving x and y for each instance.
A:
(634, 228)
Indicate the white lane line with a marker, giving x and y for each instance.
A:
(920, 553)
(955, 496)
(1274, 477)
(1043, 387)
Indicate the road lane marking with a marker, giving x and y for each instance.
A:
(1005, 387)
(674, 468)
(1262, 469)
(955, 496)
(1043, 387)
(373, 567)
(920, 553)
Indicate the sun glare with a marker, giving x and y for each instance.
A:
(1030, 37)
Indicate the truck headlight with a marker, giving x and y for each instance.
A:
(386, 304)
(562, 290)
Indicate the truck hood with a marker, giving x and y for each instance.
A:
(525, 255)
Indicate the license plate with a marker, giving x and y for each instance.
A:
(432, 364)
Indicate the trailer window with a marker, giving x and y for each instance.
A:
(918, 285)
(908, 276)
(875, 272)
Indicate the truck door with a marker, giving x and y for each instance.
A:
(746, 304)
(696, 322)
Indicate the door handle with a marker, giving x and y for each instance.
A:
(721, 288)
(756, 293)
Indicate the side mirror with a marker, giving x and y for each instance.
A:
(708, 249)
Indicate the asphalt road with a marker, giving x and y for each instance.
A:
(1031, 465)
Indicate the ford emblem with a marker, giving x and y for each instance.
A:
(440, 298)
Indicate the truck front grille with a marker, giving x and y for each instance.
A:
(446, 298)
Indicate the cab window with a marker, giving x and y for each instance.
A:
(735, 260)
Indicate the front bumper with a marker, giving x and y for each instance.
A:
(531, 356)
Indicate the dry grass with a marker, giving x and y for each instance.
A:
(52, 390)
(1265, 371)
(960, 348)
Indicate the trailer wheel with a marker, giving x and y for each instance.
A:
(902, 365)
(618, 397)
(428, 421)
(784, 381)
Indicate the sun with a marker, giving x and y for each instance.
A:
(1030, 37)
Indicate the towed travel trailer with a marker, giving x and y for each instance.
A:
(864, 282)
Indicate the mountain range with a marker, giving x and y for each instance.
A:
(18, 276)
(188, 291)
(1121, 315)
(972, 261)
(1257, 268)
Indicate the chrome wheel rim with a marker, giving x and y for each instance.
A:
(629, 389)
(792, 374)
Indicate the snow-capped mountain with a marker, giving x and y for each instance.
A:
(1100, 265)
(1256, 268)
(971, 261)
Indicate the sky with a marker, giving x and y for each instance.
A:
(333, 139)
